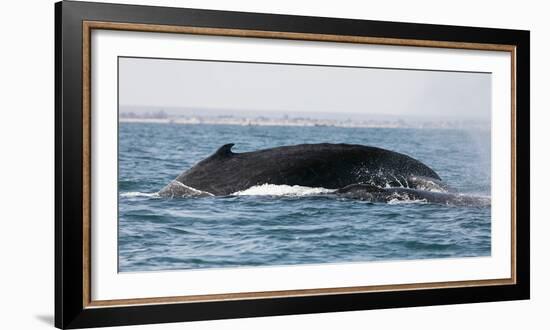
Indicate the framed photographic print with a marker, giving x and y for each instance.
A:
(215, 164)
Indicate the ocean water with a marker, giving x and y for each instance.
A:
(268, 226)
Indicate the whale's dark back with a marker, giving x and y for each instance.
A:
(324, 165)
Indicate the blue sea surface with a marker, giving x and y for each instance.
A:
(264, 230)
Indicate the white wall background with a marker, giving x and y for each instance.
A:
(27, 163)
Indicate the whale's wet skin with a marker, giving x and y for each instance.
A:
(353, 171)
(304, 202)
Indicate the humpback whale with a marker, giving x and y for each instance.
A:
(348, 170)
(330, 166)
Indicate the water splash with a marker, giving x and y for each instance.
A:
(400, 200)
(282, 190)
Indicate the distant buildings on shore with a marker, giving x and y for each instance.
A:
(286, 120)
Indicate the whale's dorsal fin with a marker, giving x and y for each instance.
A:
(225, 150)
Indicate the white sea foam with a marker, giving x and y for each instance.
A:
(138, 194)
(282, 190)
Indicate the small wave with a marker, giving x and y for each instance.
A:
(138, 194)
(282, 190)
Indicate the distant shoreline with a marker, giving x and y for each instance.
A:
(301, 122)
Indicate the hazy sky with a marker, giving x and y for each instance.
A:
(266, 88)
